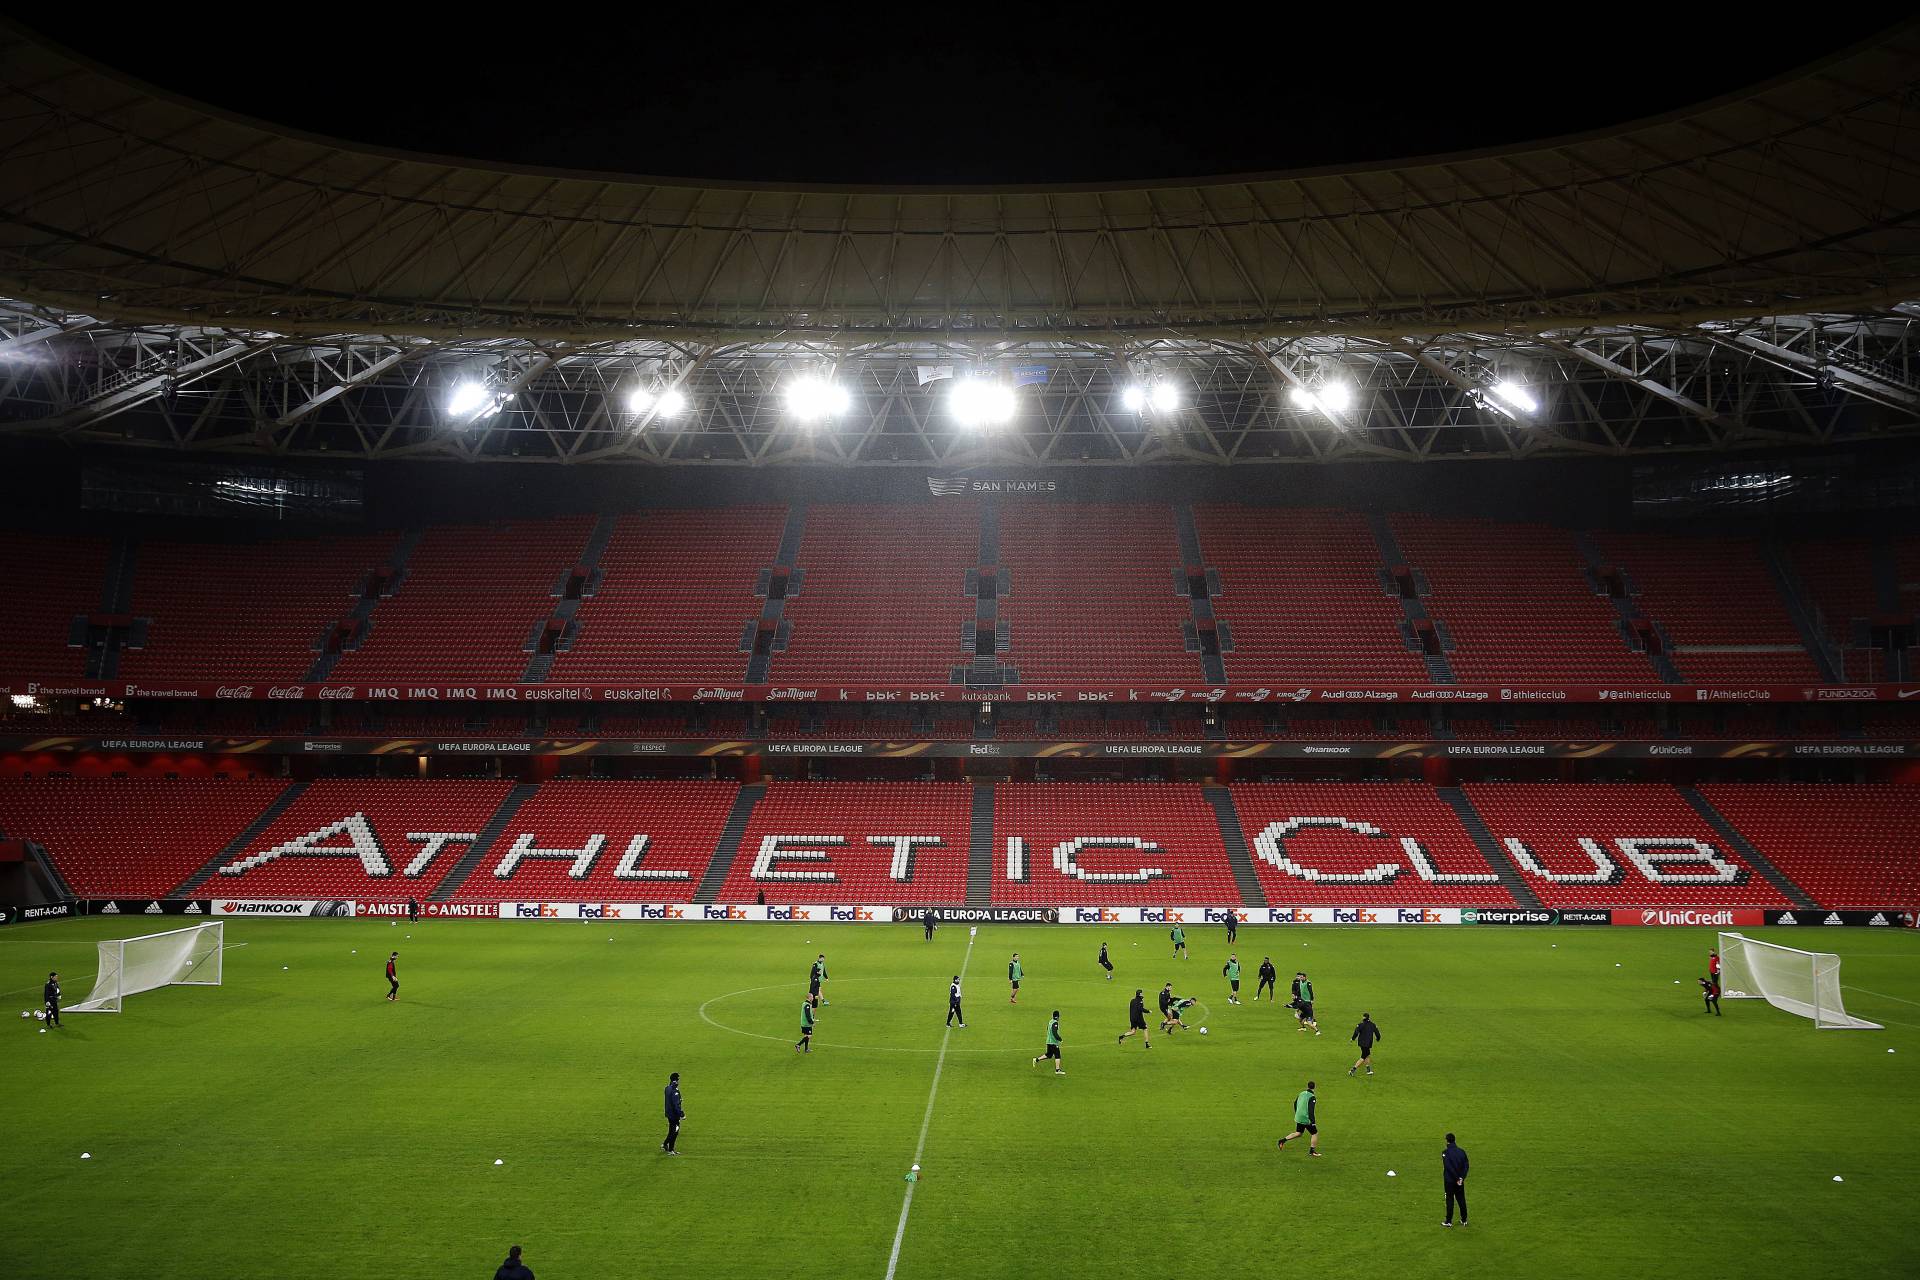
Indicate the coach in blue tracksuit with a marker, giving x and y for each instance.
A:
(1453, 1164)
(675, 1114)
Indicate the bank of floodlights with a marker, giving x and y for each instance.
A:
(981, 402)
(670, 403)
(1162, 397)
(472, 400)
(1331, 398)
(813, 397)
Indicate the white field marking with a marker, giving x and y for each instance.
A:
(717, 1025)
(1883, 995)
(920, 1148)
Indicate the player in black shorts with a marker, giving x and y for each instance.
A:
(1233, 927)
(1053, 1046)
(1268, 977)
(1137, 1018)
(1106, 963)
(816, 976)
(1364, 1035)
(50, 997)
(393, 976)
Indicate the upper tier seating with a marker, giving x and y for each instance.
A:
(131, 837)
(243, 611)
(855, 868)
(681, 821)
(470, 601)
(1515, 601)
(1355, 829)
(1717, 604)
(676, 592)
(1550, 819)
(384, 820)
(46, 583)
(1845, 845)
(1048, 817)
(1088, 594)
(884, 594)
(1300, 592)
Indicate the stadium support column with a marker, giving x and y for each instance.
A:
(1742, 846)
(240, 843)
(496, 826)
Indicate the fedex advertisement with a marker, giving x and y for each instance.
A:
(1202, 917)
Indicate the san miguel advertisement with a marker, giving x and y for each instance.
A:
(1230, 695)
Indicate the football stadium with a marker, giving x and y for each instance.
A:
(603, 716)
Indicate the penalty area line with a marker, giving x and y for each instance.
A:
(920, 1147)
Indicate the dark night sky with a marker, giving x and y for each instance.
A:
(1045, 95)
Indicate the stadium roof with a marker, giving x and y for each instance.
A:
(325, 293)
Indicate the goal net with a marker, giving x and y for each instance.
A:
(1801, 982)
(187, 957)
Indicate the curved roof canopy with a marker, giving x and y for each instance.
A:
(137, 207)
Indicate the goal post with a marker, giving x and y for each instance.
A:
(189, 957)
(1806, 983)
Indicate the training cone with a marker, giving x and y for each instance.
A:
(1838, 1178)
(914, 1177)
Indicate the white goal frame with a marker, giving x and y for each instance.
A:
(197, 965)
(1742, 980)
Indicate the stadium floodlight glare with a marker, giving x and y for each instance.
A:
(1515, 395)
(639, 400)
(1302, 398)
(469, 400)
(1133, 398)
(1166, 397)
(812, 398)
(673, 402)
(1334, 397)
(977, 402)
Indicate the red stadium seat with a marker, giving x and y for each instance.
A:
(844, 834)
(1166, 827)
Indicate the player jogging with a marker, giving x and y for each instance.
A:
(1014, 974)
(1053, 1046)
(1137, 1018)
(953, 1005)
(1710, 993)
(393, 975)
(805, 1044)
(1231, 972)
(50, 994)
(1106, 963)
(815, 978)
(1303, 1003)
(1365, 1035)
(1269, 976)
(1179, 936)
(1233, 926)
(1304, 1122)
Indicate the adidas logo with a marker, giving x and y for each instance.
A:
(1878, 918)
(111, 909)
(1832, 918)
(153, 909)
(1788, 919)
(193, 909)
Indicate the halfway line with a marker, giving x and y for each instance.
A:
(920, 1148)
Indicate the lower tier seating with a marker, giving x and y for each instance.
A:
(1102, 843)
(1847, 846)
(855, 842)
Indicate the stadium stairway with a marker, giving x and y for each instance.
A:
(1235, 839)
(1439, 670)
(1624, 606)
(772, 610)
(116, 601)
(323, 665)
(1193, 560)
(564, 608)
(240, 843)
(729, 846)
(37, 854)
(477, 851)
(1742, 846)
(980, 847)
(1510, 878)
(1788, 584)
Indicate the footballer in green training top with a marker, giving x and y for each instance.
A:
(1304, 1121)
(1231, 972)
(1179, 936)
(1014, 974)
(805, 1044)
(1053, 1046)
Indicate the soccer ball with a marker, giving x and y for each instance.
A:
(1203, 1031)
(40, 1014)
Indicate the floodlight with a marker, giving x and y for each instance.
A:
(639, 400)
(812, 398)
(673, 403)
(1334, 397)
(1516, 395)
(1166, 397)
(976, 402)
(1301, 397)
(1133, 398)
(467, 400)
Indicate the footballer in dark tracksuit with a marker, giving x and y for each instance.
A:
(1105, 963)
(1453, 1166)
(50, 994)
(1365, 1035)
(927, 921)
(1233, 927)
(1269, 977)
(953, 1005)
(676, 1112)
(1137, 1018)
(393, 976)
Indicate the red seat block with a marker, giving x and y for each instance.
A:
(1091, 843)
(840, 844)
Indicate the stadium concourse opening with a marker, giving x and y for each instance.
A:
(1475, 597)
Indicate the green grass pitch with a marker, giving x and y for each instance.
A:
(292, 1123)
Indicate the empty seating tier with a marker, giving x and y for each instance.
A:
(1845, 845)
(855, 842)
(1117, 843)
